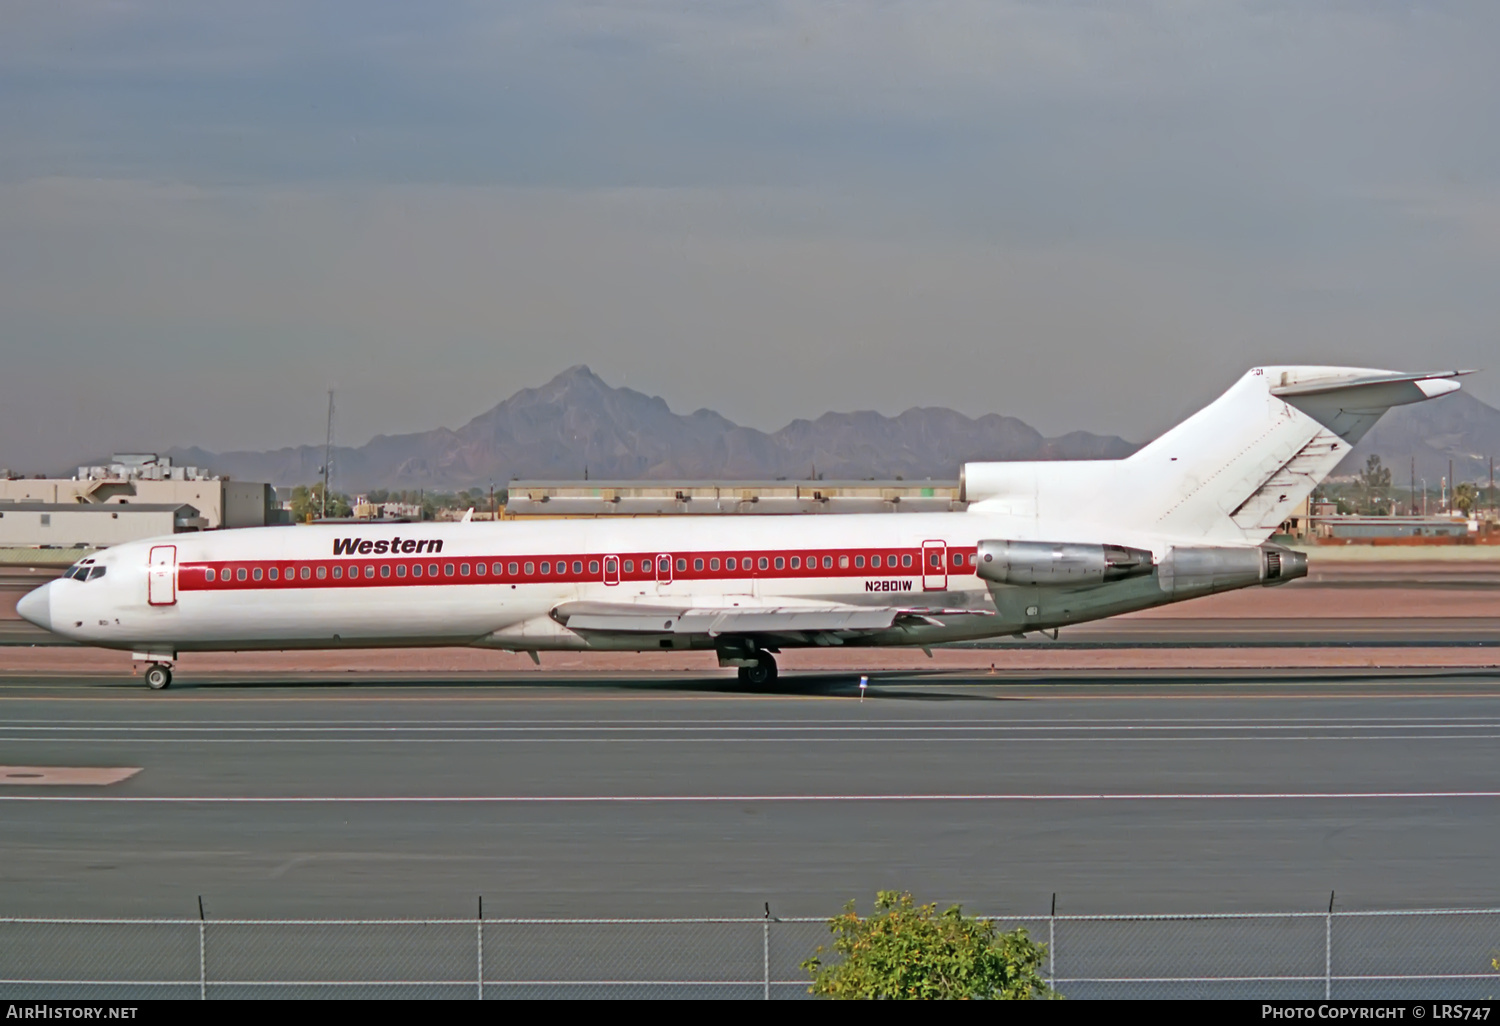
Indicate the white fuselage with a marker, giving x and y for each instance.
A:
(485, 583)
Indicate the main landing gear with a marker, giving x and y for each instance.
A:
(761, 673)
(158, 676)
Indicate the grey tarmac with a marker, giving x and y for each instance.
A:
(618, 795)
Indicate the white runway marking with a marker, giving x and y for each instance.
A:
(721, 799)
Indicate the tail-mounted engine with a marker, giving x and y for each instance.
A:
(1184, 571)
(1059, 563)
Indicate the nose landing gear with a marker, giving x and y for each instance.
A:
(158, 676)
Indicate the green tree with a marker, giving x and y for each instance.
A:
(307, 503)
(906, 950)
(1374, 485)
(1465, 496)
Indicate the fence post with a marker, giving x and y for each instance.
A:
(1052, 944)
(479, 944)
(202, 952)
(1328, 951)
(765, 953)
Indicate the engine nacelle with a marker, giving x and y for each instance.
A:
(1059, 563)
(1203, 570)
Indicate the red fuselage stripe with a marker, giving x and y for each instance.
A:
(568, 568)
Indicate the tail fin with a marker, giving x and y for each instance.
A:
(1237, 468)
(1229, 474)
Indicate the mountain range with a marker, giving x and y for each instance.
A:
(577, 423)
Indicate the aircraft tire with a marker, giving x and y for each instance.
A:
(762, 674)
(158, 677)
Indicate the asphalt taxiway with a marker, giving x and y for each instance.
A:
(621, 795)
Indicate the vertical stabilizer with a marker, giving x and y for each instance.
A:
(1237, 468)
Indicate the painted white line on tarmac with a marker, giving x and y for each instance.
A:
(722, 799)
(710, 740)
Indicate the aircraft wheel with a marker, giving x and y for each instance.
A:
(761, 674)
(158, 677)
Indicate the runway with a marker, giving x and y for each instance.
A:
(620, 795)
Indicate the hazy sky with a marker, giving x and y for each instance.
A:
(1086, 214)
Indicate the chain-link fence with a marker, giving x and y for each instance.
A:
(1399, 955)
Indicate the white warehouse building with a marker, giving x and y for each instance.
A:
(91, 526)
(145, 478)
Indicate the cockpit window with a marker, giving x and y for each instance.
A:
(84, 572)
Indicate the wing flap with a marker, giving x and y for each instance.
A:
(713, 621)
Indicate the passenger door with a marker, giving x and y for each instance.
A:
(161, 576)
(934, 566)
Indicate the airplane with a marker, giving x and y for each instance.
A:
(1041, 545)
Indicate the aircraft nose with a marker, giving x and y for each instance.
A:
(36, 606)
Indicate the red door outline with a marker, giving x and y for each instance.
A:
(664, 569)
(611, 569)
(161, 575)
(934, 566)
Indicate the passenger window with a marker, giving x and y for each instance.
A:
(447, 569)
(271, 573)
(698, 564)
(322, 573)
(906, 559)
(843, 562)
(207, 574)
(578, 566)
(385, 569)
(827, 562)
(400, 569)
(306, 573)
(859, 562)
(432, 570)
(958, 559)
(730, 563)
(416, 569)
(369, 569)
(875, 562)
(256, 573)
(530, 569)
(593, 566)
(630, 566)
(480, 569)
(514, 569)
(681, 565)
(713, 564)
(546, 567)
(500, 569)
(796, 562)
(338, 573)
(780, 563)
(463, 569)
(239, 574)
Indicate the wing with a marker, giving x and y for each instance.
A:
(838, 620)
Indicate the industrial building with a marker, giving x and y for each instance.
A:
(145, 478)
(660, 498)
(87, 525)
(1414, 529)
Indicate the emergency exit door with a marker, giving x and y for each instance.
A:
(161, 576)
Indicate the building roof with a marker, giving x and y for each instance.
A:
(98, 507)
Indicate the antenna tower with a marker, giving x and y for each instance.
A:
(327, 454)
